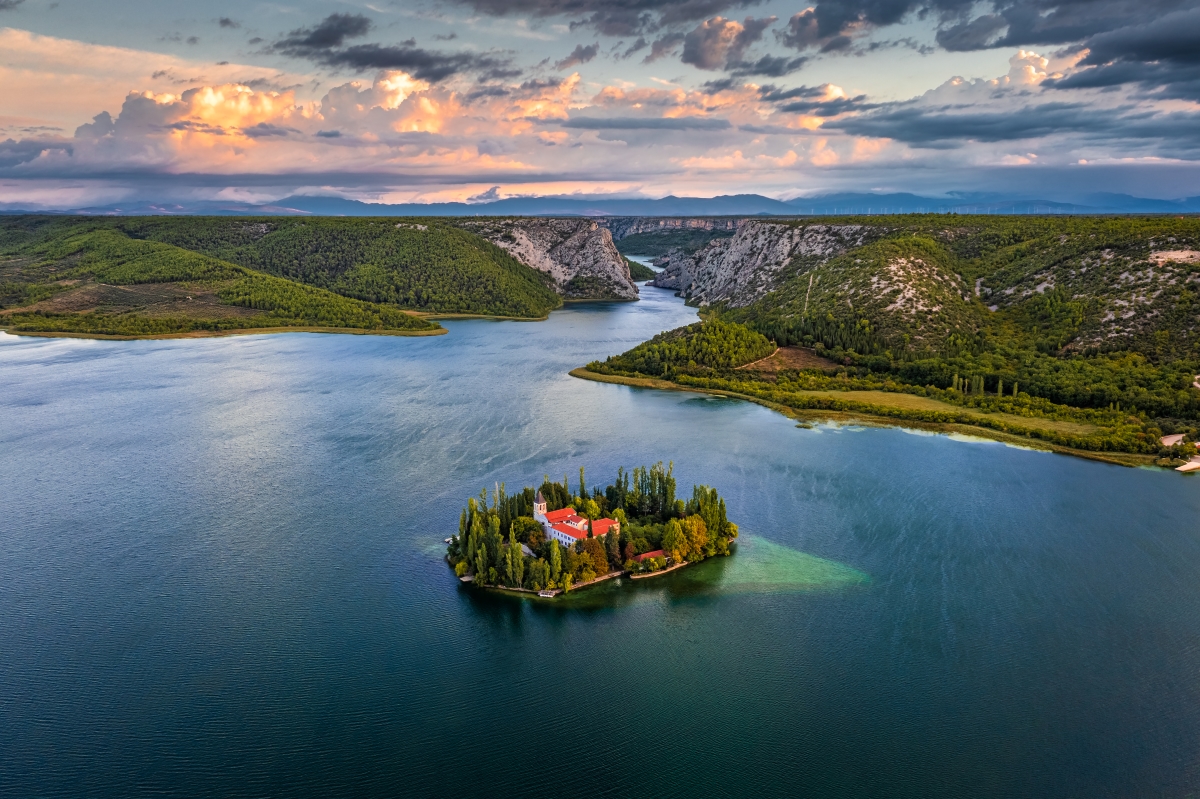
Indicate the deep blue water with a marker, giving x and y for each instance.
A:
(220, 576)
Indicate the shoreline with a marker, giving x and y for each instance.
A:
(1117, 458)
(660, 572)
(248, 331)
(556, 592)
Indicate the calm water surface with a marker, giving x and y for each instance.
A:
(220, 576)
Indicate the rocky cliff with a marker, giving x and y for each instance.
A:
(623, 226)
(578, 254)
(742, 269)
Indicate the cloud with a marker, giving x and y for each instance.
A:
(488, 196)
(934, 127)
(718, 41)
(647, 123)
(226, 22)
(325, 43)
(826, 100)
(613, 17)
(970, 25)
(580, 55)
(9, 5)
(801, 31)
(15, 153)
(768, 66)
(422, 64)
(977, 34)
(1163, 53)
(663, 46)
(330, 33)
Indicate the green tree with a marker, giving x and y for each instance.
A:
(696, 533)
(555, 560)
(596, 555)
(674, 542)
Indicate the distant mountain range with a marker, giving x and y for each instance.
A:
(725, 205)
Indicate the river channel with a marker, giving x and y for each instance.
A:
(220, 575)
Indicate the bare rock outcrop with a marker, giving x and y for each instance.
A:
(741, 269)
(622, 226)
(578, 254)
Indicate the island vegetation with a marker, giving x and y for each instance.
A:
(1076, 334)
(501, 544)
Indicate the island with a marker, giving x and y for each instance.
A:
(548, 541)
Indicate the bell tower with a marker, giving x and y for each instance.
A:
(539, 507)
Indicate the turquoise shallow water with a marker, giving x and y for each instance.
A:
(220, 576)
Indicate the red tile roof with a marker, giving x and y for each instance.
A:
(556, 516)
(600, 526)
(577, 534)
(658, 553)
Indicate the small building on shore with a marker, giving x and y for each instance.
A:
(567, 527)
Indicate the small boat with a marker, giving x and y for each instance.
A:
(447, 541)
(546, 594)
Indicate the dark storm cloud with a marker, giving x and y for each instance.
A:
(423, 64)
(580, 55)
(1164, 53)
(1004, 23)
(716, 42)
(923, 126)
(768, 66)
(265, 130)
(813, 101)
(333, 31)
(14, 153)
(613, 17)
(647, 123)
(952, 126)
(974, 34)
(663, 46)
(325, 43)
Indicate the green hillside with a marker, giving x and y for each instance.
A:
(92, 278)
(1088, 321)
(655, 244)
(426, 265)
(423, 265)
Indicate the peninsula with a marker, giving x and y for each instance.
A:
(1078, 335)
(548, 540)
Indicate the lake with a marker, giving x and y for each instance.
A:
(221, 575)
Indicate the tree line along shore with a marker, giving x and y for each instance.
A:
(550, 539)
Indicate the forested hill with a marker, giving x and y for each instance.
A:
(429, 266)
(1080, 317)
(421, 264)
(96, 280)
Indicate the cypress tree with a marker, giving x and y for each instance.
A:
(555, 560)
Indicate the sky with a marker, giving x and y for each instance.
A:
(471, 100)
